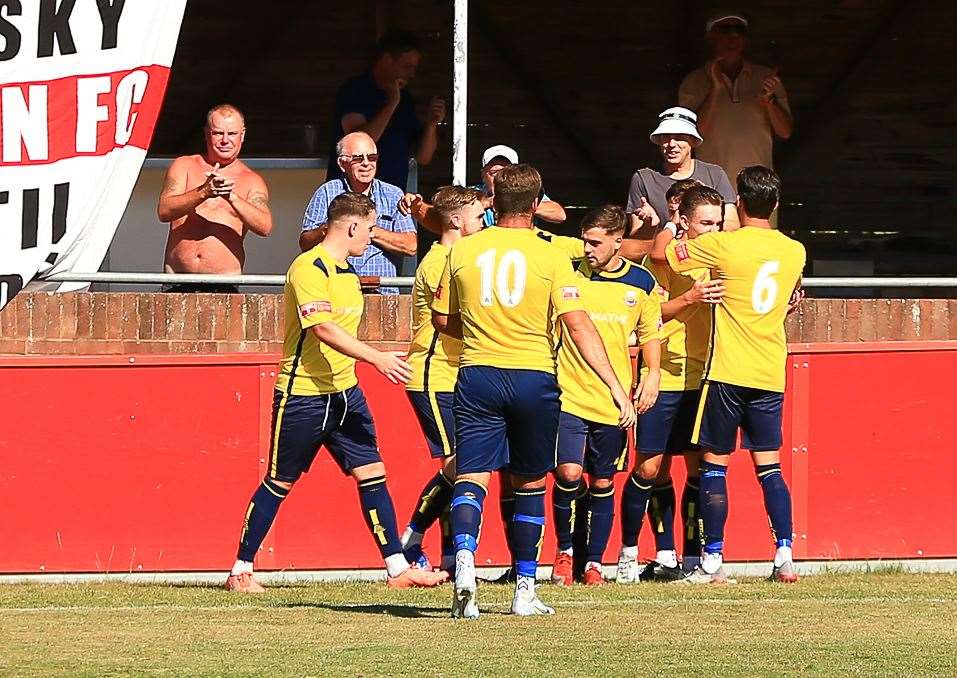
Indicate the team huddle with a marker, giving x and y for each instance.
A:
(515, 325)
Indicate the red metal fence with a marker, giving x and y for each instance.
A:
(145, 463)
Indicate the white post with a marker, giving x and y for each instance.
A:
(460, 67)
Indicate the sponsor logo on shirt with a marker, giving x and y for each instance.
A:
(307, 309)
(681, 249)
(570, 293)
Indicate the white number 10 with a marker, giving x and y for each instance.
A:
(765, 289)
(509, 275)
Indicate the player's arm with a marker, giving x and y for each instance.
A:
(254, 208)
(413, 204)
(176, 201)
(389, 363)
(706, 251)
(582, 332)
(634, 248)
(446, 317)
(702, 292)
(797, 296)
(649, 338)
(550, 211)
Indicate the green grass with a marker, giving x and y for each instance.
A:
(838, 624)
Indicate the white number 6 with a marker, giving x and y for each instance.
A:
(765, 290)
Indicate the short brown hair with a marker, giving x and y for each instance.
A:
(680, 187)
(609, 218)
(226, 110)
(516, 189)
(695, 197)
(450, 199)
(349, 204)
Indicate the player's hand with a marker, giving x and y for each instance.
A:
(647, 392)
(706, 291)
(409, 202)
(797, 296)
(393, 365)
(436, 110)
(647, 213)
(626, 409)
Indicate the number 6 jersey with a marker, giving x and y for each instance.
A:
(760, 268)
(508, 284)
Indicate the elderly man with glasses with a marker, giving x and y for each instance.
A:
(741, 106)
(394, 234)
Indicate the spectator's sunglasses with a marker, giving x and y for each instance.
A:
(729, 29)
(358, 158)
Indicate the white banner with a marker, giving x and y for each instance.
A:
(81, 86)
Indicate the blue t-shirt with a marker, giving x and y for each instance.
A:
(398, 142)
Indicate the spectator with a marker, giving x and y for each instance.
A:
(741, 106)
(207, 223)
(494, 159)
(393, 236)
(378, 103)
(675, 135)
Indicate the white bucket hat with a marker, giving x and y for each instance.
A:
(499, 151)
(677, 120)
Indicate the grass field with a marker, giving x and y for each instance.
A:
(873, 624)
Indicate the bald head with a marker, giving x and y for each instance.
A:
(358, 159)
(225, 111)
(354, 143)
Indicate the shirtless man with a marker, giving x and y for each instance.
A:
(210, 201)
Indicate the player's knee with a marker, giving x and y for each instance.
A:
(601, 483)
(568, 473)
(281, 483)
(376, 470)
(527, 482)
(648, 466)
(448, 468)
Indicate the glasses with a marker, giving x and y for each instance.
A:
(730, 29)
(357, 158)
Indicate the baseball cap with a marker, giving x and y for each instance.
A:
(677, 120)
(499, 151)
(724, 16)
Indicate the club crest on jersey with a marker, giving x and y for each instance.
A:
(306, 310)
(681, 250)
(570, 293)
(631, 298)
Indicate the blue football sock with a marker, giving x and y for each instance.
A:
(467, 501)
(714, 505)
(777, 502)
(448, 544)
(634, 500)
(379, 513)
(661, 516)
(506, 508)
(601, 514)
(433, 500)
(563, 511)
(259, 517)
(528, 530)
(691, 519)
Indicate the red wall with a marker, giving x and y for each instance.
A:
(117, 464)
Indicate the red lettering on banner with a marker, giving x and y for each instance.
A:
(86, 115)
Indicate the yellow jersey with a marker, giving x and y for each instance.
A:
(573, 247)
(618, 302)
(684, 338)
(760, 268)
(508, 284)
(434, 356)
(318, 289)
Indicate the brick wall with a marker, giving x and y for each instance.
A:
(83, 323)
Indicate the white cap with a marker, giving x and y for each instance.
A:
(499, 151)
(677, 120)
(724, 16)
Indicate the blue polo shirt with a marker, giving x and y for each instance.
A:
(398, 142)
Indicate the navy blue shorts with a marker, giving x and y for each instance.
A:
(666, 427)
(434, 411)
(506, 418)
(725, 407)
(301, 424)
(601, 449)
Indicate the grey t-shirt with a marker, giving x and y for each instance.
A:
(652, 186)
